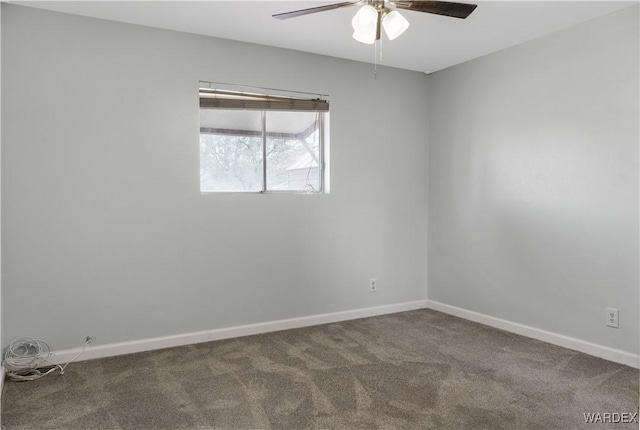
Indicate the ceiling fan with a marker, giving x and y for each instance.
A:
(375, 14)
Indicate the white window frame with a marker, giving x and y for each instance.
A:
(246, 100)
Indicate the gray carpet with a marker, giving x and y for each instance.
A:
(413, 370)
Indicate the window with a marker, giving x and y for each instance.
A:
(261, 143)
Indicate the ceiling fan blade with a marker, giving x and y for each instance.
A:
(296, 13)
(456, 10)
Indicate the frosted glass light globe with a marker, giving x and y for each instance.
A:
(394, 24)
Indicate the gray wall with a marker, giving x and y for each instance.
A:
(104, 230)
(533, 182)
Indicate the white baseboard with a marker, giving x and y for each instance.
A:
(109, 350)
(113, 349)
(2, 374)
(615, 355)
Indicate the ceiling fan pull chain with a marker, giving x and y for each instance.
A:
(375, 62)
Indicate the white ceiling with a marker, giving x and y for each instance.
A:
(431, 43)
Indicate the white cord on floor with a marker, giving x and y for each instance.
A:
(25, 355)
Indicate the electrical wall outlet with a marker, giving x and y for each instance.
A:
(373, 285)
(612, 317)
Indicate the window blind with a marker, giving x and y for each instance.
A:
(224, 99)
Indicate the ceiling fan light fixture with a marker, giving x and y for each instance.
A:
(366, 17)
(394, 24)
(365, 23)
